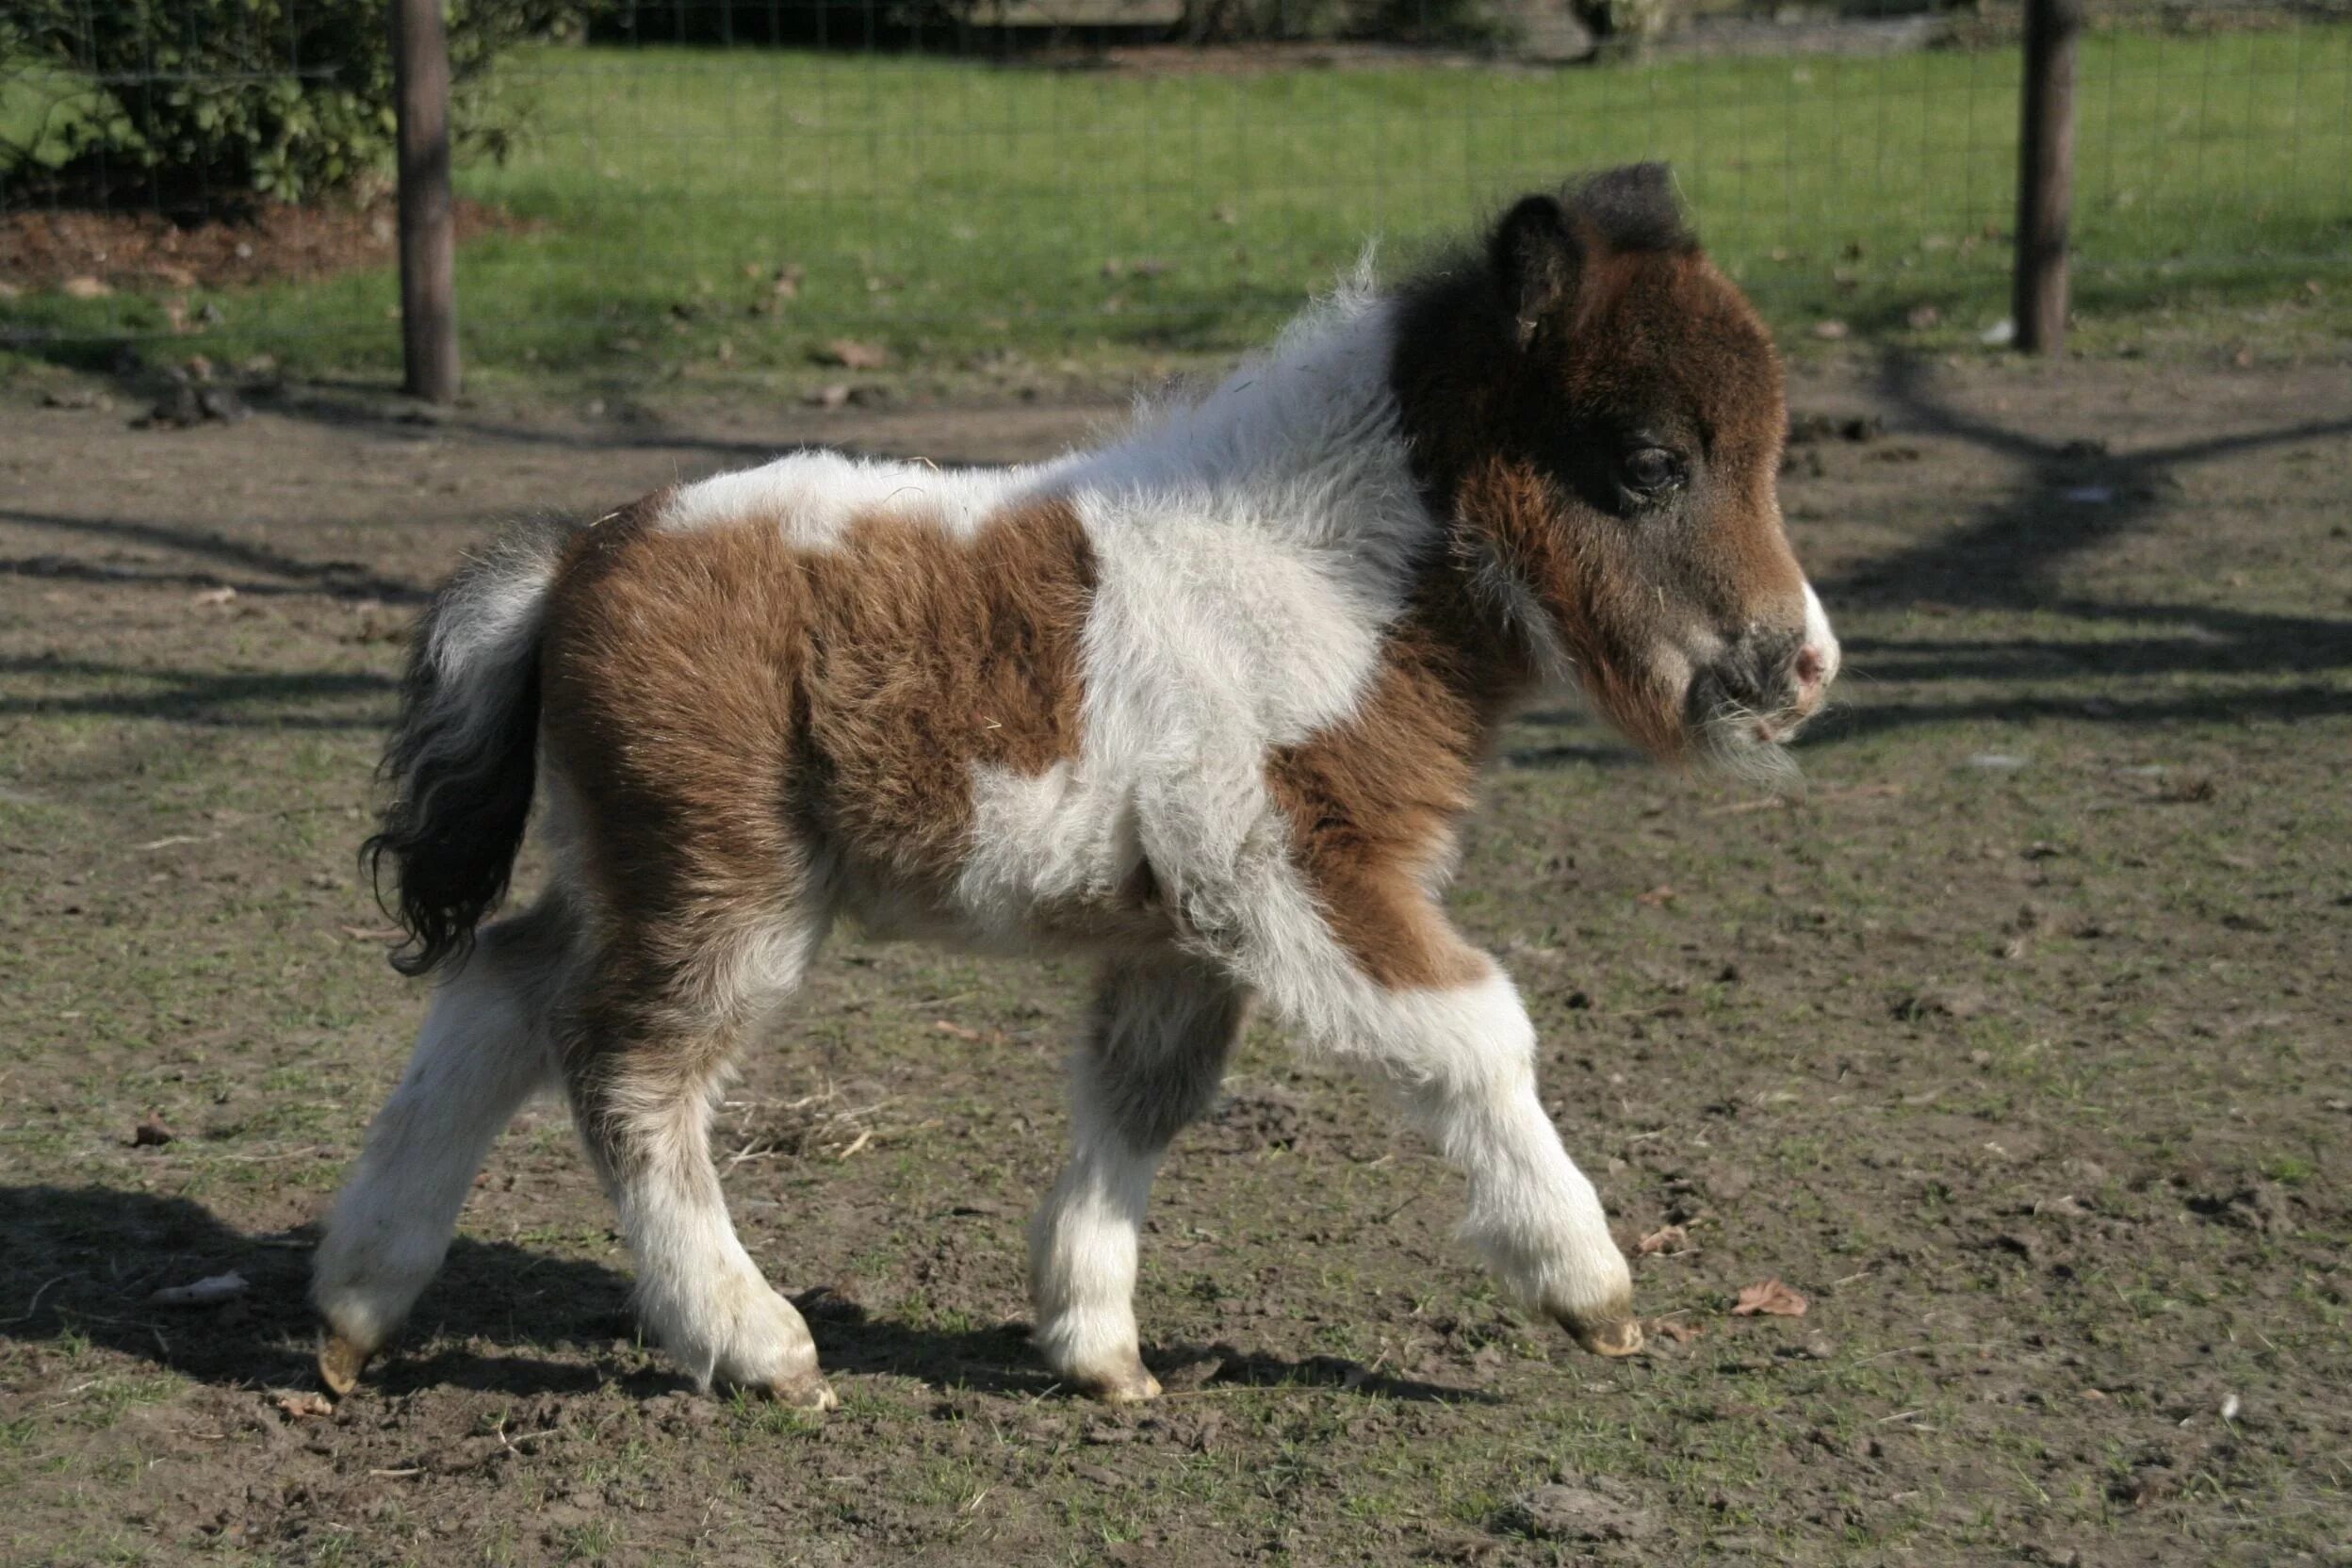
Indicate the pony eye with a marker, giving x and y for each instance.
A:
(1649, 471)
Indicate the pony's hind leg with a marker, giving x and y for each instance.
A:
(643, 1065)
(1153, 1056)
(483, 1049)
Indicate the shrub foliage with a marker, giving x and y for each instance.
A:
(206, 103)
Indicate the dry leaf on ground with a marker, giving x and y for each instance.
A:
(1772, 1298)
(1669, 1238)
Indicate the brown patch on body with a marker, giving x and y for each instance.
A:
(1372, 802)
(934, 655)
(724, 702)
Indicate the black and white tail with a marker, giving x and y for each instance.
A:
(461, 762)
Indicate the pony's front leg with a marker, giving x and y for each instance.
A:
(1153, 1056)
(1443, 1025)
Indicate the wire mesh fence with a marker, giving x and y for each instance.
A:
(742, 183)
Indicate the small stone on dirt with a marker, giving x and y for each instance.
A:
(209, 1292)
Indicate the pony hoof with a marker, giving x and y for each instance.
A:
(340, 1362)
(1616, 1336)
(806, 1391)
(1131, 1387)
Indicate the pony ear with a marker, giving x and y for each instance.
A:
(1536, 259)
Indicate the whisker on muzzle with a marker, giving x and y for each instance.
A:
(1730, 743)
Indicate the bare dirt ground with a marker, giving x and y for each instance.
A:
(273, 242)
(2023, 1051)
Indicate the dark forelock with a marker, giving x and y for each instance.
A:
(1633, 209)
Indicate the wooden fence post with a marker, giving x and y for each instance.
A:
(421, 89)
(2053, 29)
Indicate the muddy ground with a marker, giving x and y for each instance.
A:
(2019, 1051)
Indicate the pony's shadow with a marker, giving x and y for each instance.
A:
(89, 1259)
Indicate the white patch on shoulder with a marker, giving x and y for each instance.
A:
(1250, 554)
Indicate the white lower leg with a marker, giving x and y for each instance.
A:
(1082, 1264)
(1533, 1215)
(698, 1291)
(476, 1061)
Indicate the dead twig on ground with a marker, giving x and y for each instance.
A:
(1825, 798)
(818, 1125)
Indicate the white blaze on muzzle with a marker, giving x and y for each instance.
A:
(1822, 644)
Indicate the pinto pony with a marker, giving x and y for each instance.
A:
(1207, 703)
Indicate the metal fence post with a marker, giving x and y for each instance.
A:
(421, 89)
(2053, 29)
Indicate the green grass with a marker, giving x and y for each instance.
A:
(957, 210)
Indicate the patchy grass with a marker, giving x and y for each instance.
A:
(998, 221)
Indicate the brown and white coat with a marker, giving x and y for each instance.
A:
(1207, 703)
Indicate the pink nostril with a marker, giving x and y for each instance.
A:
(1808, 665)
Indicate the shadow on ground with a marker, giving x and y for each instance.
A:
(209, 699)
(94, 1257)
(343, 578)
(2073, 499)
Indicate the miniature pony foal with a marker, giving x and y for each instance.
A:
(1207, 703)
